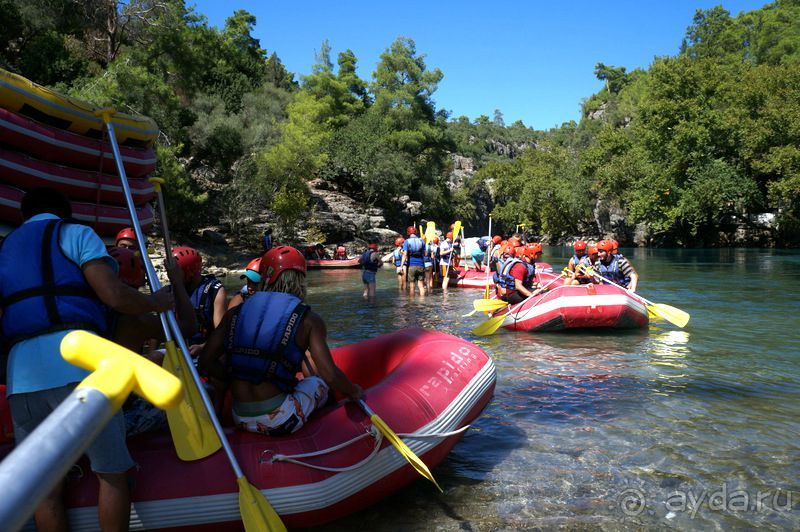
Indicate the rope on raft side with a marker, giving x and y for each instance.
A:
(371, 431)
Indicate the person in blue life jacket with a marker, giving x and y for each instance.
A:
(573, 266)
(266, 239)
(56, 276)
(251, 278)
(206, 293)
(397, 256)
(614, 267)
(414, 260)
(517, 280)
(261, 345)
(370, 262)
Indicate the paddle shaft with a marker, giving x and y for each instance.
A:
(609, 281)
(168, 318)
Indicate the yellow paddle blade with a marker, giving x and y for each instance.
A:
(421, 233)
(651, 314)
(257, 513)
(456, 229)
(673, 315)
(192, 430)
(482, 305)
(403, 449)
(430, 231)
(468, 314)
(489, 326)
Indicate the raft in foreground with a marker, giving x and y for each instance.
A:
(420, 382)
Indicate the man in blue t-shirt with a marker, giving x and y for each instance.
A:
(45, 292)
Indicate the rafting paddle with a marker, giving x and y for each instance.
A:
(192, 431)
(399, 444)
(257, 514)
(673, 315)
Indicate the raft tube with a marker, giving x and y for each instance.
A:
(69, 149)
(106, 220)
(23, 96)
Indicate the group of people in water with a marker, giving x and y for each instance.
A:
(265, 346)
(511, 262)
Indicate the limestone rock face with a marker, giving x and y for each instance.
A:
(339, 217)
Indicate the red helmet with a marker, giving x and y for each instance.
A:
(279, 259)
(605, 245)
(515, 241)
(520, 251)
(452, 226)
(509, 249)
(449, 235)
(131, 269)
(614, 244)
(435, 240)
(399, 241)
(579, 245)
(592, 250)
(534, 247)
(497, 239)
(127, 233)
(373, 246)
(411, 230)
(189, 260)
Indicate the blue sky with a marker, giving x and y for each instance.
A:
(532, 60)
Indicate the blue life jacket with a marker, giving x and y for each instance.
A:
(367, 262)
(398, 256)
(41, 289)
(202, 300)
(612, 272)
(415, 247)
(506, 280)
(261, 340)
(577, 260)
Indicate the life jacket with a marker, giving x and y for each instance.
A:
(41, 289)
(416, 247)
(261, 340)
(368, 261)
(202, 300)
(612, 272)
(506, 280)
(430, 253)
(577, 260)
(398, 256)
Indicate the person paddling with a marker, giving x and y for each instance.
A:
(261, 345)
(615, 267)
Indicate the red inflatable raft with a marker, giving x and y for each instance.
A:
(474, 279)
(332, 263)
(426, 385)
(106, 220)
(577, 307)
(60, 146)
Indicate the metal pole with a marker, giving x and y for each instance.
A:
(40, 462)
(169, 316)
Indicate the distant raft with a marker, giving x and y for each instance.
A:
(106, 220)
(44, 105)
(56, 145)
(327, 264)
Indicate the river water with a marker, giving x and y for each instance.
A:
(695, 428)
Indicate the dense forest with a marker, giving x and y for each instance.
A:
(701, 141)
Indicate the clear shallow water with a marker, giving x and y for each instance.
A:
(659, 428)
